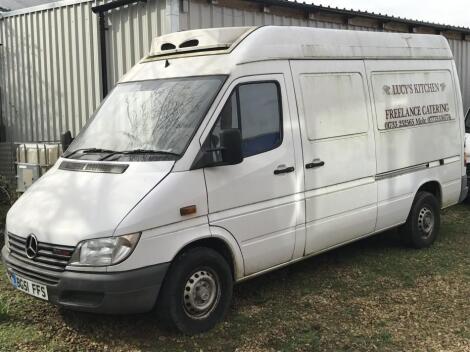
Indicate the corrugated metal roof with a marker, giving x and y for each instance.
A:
(15, 5)
(9, 5)
(366, 14)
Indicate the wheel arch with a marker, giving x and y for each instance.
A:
(432, 186)
(225, 244)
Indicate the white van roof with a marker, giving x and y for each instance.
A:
(250, 44)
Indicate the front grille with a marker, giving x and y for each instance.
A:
(93, 167)
(46, 267)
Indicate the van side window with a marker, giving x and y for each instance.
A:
(255, 109)
(228, 118)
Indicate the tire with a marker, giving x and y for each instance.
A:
(197, 291)
(422, 226)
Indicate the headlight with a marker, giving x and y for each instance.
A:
(104, 251)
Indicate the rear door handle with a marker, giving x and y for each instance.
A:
(315, 163)
(284, 171)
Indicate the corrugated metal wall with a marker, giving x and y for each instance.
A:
(202, 14)
(129, 35)
(50, 65)
(7, 162)
(461, 51)
(50, 71)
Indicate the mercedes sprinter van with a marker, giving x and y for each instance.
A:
(229, 152)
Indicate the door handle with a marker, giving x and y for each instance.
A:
(315, 163)
(284, 171)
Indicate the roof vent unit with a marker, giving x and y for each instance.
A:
(167, 46)
(189, 43)
(213, 39)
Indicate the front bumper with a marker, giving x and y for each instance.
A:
(128, 292)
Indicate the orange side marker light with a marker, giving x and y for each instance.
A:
(190, 209)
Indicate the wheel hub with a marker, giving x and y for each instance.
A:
(201, 293)
(426, 221)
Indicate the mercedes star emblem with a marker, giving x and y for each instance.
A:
(31, 246)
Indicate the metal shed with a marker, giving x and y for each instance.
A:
(50, 60)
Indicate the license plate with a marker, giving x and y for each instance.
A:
(30, 287)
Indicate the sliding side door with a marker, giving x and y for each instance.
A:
(338, 149)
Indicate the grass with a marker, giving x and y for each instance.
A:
(373, 295)
(3, 311)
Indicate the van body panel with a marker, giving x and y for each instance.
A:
(162, 205)
(273, 224)
(452, 191)
(340, 215)
(76, 205)
(408, 154)
(340, 154)
(181, 67)
(281, 42)
(237, 256)
(401, 147)
(396, 193)
(276, 232)
(340, 228)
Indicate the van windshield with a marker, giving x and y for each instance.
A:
(146, 120)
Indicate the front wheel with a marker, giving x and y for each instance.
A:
(423, 223)
(197, 291)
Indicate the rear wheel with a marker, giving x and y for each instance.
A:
(423, 223)
(197, 291)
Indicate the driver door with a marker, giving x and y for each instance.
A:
(255, 200)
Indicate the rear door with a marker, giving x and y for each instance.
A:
(338, 149)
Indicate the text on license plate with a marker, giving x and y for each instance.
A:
(28, 286)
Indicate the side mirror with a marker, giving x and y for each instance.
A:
(231, 146)
(230, 151)
(66, 139)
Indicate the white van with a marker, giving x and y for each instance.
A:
(230, 152)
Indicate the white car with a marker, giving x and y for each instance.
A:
(229, 152)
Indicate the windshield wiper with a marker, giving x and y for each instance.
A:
(88, 150)
(140, 151)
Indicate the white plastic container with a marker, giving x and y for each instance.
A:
(43, 154)
(33, 160)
